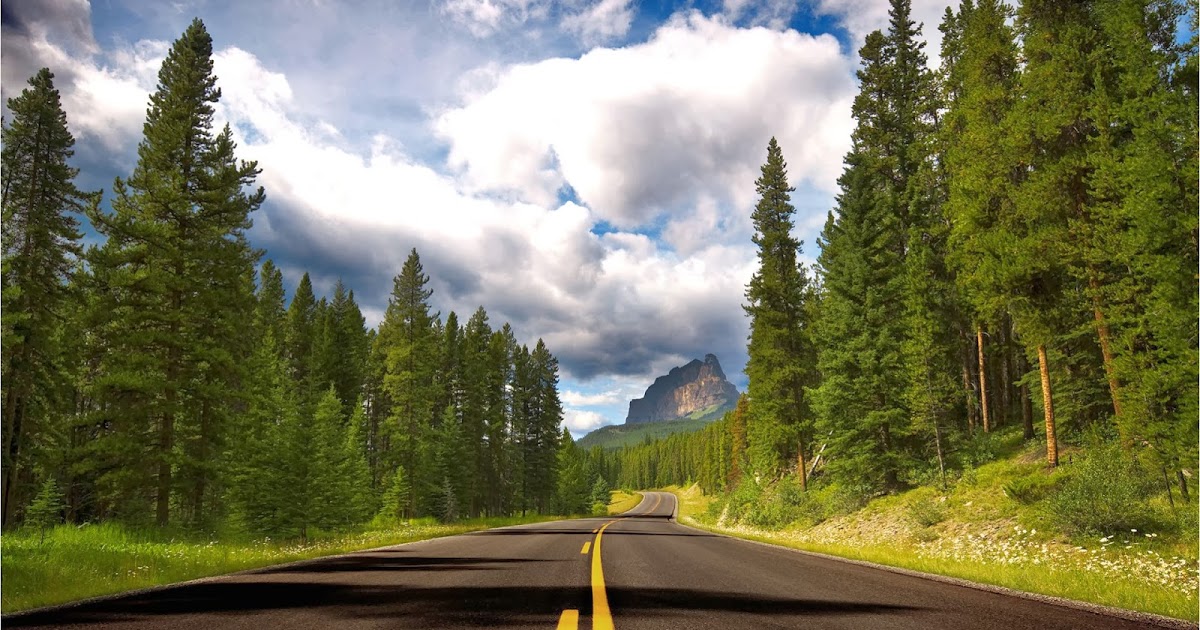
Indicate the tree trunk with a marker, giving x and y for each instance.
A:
(1106, 351)
(1048, 405)
(800, 467)
(1183, 486)
(1006, 374)
(983, 399)
(166, 429)
(937, 441)
(1026, 412)
(970, 392)
(13, 410)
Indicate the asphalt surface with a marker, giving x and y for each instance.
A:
(650, 573)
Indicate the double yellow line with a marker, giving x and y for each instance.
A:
(601, 615)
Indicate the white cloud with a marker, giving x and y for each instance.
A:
(860, 17)
(675, 126)
(603, 21)
(104, 97)
(580, 399)
(486, 17)
(644, 130)
(581, 421)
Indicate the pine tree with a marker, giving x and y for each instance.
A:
(41, 242)
(737, 434)
(172, 285)
(500, 480)
(46, 509)
(475, 378)
(355, 474)
(259, 484)
(406, 336)
(862, 400)
(781, 353)
(347, 341)
(542, 428)
(300, 337)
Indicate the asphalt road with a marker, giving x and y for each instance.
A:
(637, 571)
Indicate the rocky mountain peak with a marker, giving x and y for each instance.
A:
(699, 386)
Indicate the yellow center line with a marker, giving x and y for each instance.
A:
(587, 545)
(569, 620)
(601, 616)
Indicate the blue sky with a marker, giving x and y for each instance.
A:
(584, 169)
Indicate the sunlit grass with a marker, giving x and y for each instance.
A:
(74, 563)
(621, 501)
(1134, 572)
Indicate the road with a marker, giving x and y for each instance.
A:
(639, 571)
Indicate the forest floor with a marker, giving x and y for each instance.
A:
(974, 531)
(78, 562)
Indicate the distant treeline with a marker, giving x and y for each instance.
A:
(159, 378)
(1015, 243)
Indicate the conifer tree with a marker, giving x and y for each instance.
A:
(355, 474)
(407, 337)
(300, 337)
(781, 354)
(172, 289)
(41, 242)
(862, 401)
(475, 365)
(543, 428)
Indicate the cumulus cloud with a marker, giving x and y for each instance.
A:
(660, 142)
(581, 421)
(642, 131)
(104, 96)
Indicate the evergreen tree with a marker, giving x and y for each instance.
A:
(407, 337)
(172, 292)
(300, 336)
(355, 474)
(41, 243)
(46, 509)
(347, 339)
(862, 400)
(781, 354)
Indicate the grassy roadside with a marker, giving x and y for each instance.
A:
(1129, 574)
(74, 563)
(621, 501)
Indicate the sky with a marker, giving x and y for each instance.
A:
(583, 169)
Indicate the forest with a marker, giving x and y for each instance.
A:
(1014, 245)
(160, 378)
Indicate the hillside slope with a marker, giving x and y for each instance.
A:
(621, 435)
(998, 523)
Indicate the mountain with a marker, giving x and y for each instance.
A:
(699, 386)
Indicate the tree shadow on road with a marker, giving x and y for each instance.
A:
(419, 607)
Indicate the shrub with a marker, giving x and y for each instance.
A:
(927, 512)
(1031, 489)
(1105, 493)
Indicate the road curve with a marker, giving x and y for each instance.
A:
(650, 573)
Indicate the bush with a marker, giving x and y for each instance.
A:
(927, 512)
(1031, 489)
(1105, 493)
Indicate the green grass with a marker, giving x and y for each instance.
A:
(621, 501)
(86, 561)
(972, 529)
